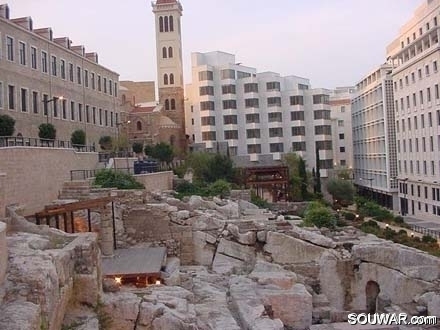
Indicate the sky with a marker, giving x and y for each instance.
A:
(331, 42)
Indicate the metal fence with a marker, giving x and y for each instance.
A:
(18, 141)
(426, 231)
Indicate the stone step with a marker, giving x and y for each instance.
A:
(320, 300)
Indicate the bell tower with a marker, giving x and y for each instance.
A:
(168, 15)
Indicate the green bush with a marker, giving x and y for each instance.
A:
(7, 124)
(137, 147)
(107, 178)
(78, 137)
(349, 216)
(260, 202)
(398, 219)
(106, 142)
(428, 239)
(220, 188)
(47, 131)
(319, 215)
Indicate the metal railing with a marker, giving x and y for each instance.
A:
(426, 231)
(18, 141)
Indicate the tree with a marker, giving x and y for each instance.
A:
(318, 172)
(161, 151)
(219, 167)
(341, 190)
(292, 161)
(47, 131)
(78, 138)
(302, 172)
(7, 124)
(106, 142)
(318, 215)
(138, 147)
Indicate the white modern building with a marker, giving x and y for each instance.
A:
(259, 116)
(340, 103)
(374, 137)
(416, 55)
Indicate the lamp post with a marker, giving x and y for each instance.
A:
(46, 102)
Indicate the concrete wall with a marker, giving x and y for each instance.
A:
(34, 176)
(3, 253)
(156, 181)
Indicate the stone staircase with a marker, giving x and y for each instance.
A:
(321, 309)
(75, 190)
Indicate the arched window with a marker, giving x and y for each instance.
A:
(173, 104)
(164, 52)
(124, 99)
(171, 24)
(170, 52)
(166, 23)
(167, 104)
(161, 24)
(171, 79)
(139, 126)
(165, 79)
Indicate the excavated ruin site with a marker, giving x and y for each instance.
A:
(201, 264)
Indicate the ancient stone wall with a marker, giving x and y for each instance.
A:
(50, 168)
(3, 253)
(159, 181)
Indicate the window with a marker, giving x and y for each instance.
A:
(229, 104)
(251, 88)
(276, 147)
(275, 117)
(230, 119)
(22, 52)
(254, 148)
(207, 105)
(161, 24)
(422, 120)
(173, 104)
(299, 146)
(44, 62)
(428, 94)
(94, 115)
(104, 82)
(171, 79)
(302, 86)
(321, 99)
(427, 70)
(55, 107)
(165, 79)
(35, 102)
(170, 52)
(86, 78)
(227, 74)
(341, 149)
(430, 119)
(324, 145)
(276, 132)
(78, 75)
(45, 105)
(274, 101)
(111, 118)
(24, 99)
(298, 131)
(10, 48)
(414, 99)
(208, 136)
(11, 97)
(72, 110)
(423, 144)
(80, 112)
(297, 100)
(416, 124)
(419, 71)
(171, 24)
(253, 133)
(231, 135)
(166, 23)
(92, 79)
(437, 95)
(63, 69)
(54, 65)
(164, 52)
(251, 103)
(241, 74)
(413, 77)
(421, 97)
(431, 143)
(406, 80)
(208, 121)
(167, 104)
(106, 117)
(323, 130)
(434, 66)
(206, 75)
(33, 57)
(341, 136)
(273, 86)
(206, 90)
(100, 117)
(340, 123)
(228, 89)
(64, 108)
(321, 114)
(71, 72)
(343, 109)
(297, 115)
(87, 113)
(252, 118)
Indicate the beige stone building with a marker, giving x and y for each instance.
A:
(44, 79)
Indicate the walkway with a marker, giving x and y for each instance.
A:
(424, 226)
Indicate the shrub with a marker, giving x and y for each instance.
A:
(219, 188)
(349, 216)
(161, 151)
(341, 190)
(47, 131)
(260, 202)
(106, 142)
(398, 219)
(428, 239)
(107, 178)
(186, 188)
(7, 124)
(320, 216)
(78, 137)
(138, 147)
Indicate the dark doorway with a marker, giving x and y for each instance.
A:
(371, 292)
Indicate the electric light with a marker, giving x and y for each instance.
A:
(118, 280)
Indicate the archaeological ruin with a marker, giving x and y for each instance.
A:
(117, 260)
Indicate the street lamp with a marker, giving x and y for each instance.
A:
(46, 102)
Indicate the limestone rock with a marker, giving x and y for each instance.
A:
(267, 273)
(203, 253)
(285, 249)
(434, 306)
(195, 202)
(223, 264)
(122, 308)
(20, 315)
(110, 285)
(236, 250)
(312, 237)
(248, 238)
(245, 205)
(261, 236)
(230, 210)
(171, 275)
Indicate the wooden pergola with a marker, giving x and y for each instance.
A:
(274, 179)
